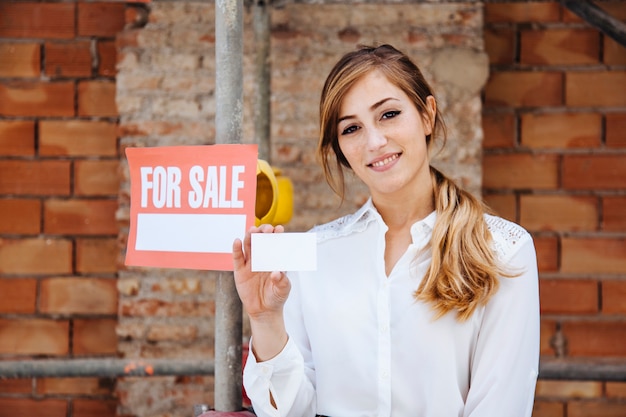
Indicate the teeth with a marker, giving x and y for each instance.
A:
(385, 161)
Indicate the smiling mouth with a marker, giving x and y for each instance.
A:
(385, 161)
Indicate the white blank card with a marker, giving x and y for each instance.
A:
(284, 251)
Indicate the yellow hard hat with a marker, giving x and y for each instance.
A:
(274, 196)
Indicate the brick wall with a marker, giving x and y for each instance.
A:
(165, 96)
(58, 197)
(554, 152)
(553, 121)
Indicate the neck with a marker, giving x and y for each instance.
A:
(400, 212)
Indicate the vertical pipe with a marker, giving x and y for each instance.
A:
(228, 129)
(261, 27)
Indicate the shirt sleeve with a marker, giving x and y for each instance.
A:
(284, 379)
(505, 364)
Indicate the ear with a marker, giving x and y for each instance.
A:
(431, 108)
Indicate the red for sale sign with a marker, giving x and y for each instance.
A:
(189, 203)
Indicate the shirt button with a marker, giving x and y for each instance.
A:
(384, 375)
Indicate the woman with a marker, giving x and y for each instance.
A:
(422, 304)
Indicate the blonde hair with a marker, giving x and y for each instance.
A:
(464, 269)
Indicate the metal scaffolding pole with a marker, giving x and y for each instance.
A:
(262, 128)
(575, 369)
(105, 367)
(228, 129)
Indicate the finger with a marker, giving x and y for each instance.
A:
(239, 259)
(247, 240)
(279, 229)
(266, 228)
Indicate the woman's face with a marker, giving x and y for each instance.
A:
(383, 136)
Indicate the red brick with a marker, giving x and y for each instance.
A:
(615, 8)
(37, 99)
(20, 216)
(499, 130)
(16, 386)
(74, 386)
(107, 58)
(95, 337)
(561, 130)
(159, 332)
(72, 295)
(37, 20)
(18, 296)
(547, 331)
(161, 308)
(614, 297)
(504, 205)
(614, 214)
(20, 59)
(94, 408)
(520, 171)
(595, 409)
(594, 172)
(614, 53)
(524, 89)
(560, 47)
(17, 138)
(547, 253)
(96, 98)
(500, 45)
(595, 89)
(77, 138)
(80, 217)
(103, 19)
(559, 212)
(28, 407)
(595, 338)
(569, 389)
(33, 337)
(542, 408)
(568, 296)
(615, 128)
(522, 12)
(97, 256)
(68, 59)
(128, 38)
(35, 177)
(35, 256)
(593, 255)
(615, 389)
(96, 178)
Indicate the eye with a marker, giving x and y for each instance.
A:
(349, 129)
(390, 114)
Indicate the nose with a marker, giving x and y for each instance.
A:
(376, 139)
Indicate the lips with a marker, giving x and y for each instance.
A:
(384, 161)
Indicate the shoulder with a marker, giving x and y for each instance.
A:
(508, 237)
(345, 225)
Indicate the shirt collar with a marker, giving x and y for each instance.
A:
(358, 221)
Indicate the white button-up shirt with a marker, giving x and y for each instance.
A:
(360, 345)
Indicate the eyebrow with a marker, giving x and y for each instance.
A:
(372, 108)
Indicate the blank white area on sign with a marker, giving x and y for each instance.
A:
(202, 233)
(284, 251)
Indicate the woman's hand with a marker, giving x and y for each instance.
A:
(263, 295)
(261, 292)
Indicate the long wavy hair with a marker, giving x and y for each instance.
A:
(464, 269)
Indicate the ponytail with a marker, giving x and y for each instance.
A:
(464, 270)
